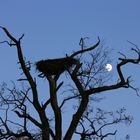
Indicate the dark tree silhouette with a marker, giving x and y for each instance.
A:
(55, 67)
(88, 77)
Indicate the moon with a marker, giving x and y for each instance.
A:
(108, 67)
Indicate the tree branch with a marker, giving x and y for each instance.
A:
(26, 71)
(55, 107)
(67, 99)
(87, 49)
(34, 121)
(123, 83)
(83, 104)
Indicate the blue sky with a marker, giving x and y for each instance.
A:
(53, 28)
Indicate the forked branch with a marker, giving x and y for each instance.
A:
(123, 83)
(87, 49)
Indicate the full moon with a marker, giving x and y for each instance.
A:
(108, 67)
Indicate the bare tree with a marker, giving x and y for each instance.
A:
(88, 77)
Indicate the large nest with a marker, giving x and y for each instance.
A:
(55, 66)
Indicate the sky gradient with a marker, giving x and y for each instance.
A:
(54, 28)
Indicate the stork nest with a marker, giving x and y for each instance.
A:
(51, 67)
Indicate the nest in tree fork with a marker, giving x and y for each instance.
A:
(55, 66)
